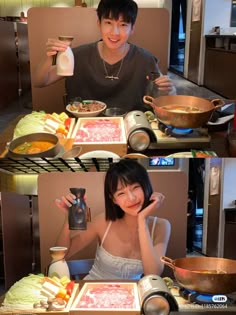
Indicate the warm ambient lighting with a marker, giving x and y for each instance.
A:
(61, 4)
(78, 3)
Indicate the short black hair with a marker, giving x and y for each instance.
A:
(127, 171)
(113, 9)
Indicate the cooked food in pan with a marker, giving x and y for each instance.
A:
(33, 147)
(210, 271)
(181, 109)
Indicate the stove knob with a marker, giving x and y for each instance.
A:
(166, 130)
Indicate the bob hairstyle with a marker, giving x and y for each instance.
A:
(128, 172)
(113, 9)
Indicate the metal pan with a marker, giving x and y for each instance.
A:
(182, 111)
(204, 274)
(39, 136)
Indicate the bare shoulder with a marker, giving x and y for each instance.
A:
(162, 228)
(159, 222)
(99, 223)
(163, 222)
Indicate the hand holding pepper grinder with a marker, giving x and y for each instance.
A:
(77, 216)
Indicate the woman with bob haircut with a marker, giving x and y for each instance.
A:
(130, 239)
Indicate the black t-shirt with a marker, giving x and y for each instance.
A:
(89, 82)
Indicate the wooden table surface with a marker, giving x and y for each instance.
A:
(82, 282)
(219, 143)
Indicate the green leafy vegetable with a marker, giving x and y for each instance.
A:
(24, 293)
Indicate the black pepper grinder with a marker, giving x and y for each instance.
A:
(77, 216)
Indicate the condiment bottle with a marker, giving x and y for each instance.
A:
(77, 216)
(58, 266)
(65, 59)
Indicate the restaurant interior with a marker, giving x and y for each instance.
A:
(195, 43)
(24, 46)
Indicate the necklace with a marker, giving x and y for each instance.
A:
(113, 77)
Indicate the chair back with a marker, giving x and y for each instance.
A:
(79, 268)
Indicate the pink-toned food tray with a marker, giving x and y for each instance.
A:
(101, 133)
(97, 298)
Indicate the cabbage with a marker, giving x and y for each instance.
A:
(30, 123)
(24, 293)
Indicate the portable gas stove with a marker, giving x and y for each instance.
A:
(190, 301)
(168, 137)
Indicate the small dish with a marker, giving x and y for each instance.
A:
(115, 112)
(83, 109)
(134, 156)
(99, 154)
(72, 153)
(181, 155)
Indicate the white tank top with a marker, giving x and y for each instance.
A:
(108, 267)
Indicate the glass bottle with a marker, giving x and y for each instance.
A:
(77, 216)
(58, 266)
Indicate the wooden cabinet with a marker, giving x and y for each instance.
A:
(220, 65)
(20, 237)
(230, 233)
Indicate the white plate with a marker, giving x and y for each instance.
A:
(181, 155)
(99, 154)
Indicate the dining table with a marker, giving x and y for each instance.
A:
(218, 143)
(71, 309)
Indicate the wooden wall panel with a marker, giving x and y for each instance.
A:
(8, 64)
(44, 23)
(152, 33)
(51, 186)
(23, 53)
(17, 237)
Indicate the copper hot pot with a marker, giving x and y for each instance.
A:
(204, 274)
(182, 111)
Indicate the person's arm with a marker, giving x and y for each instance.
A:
(152, 250)
(150, 253)
(165, 84)
(45, 73)
(75, 241)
